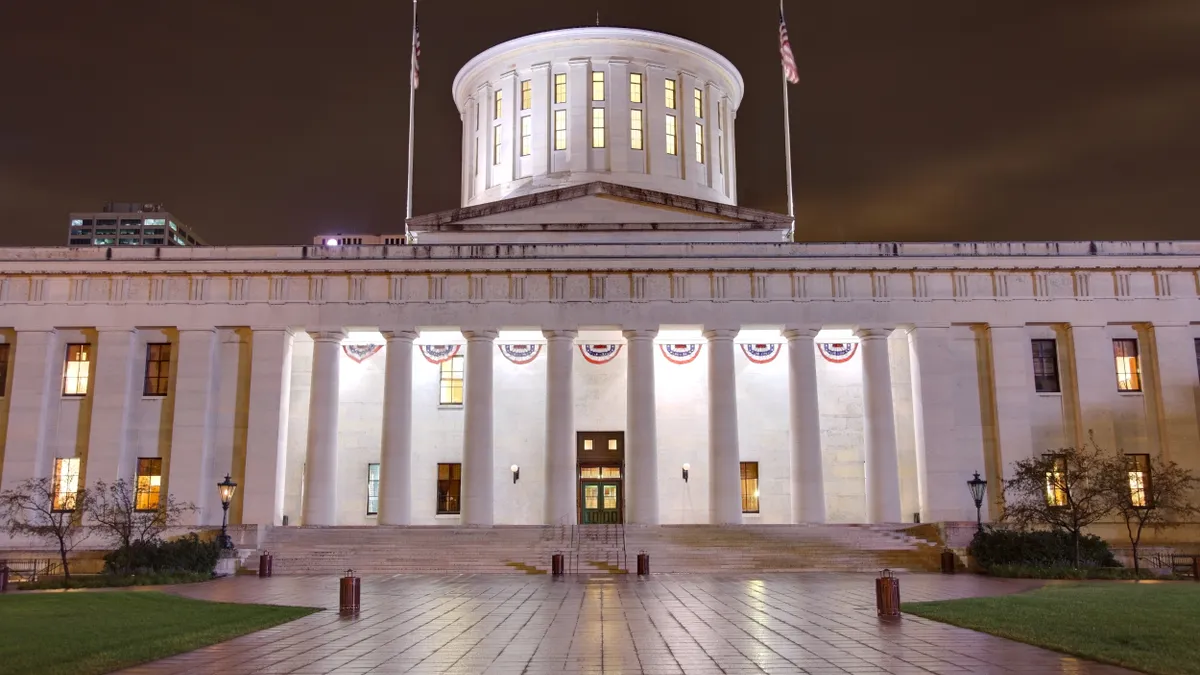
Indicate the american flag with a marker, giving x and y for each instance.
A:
(416, 55)
(785, 52)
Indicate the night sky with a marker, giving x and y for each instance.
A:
(262, 122)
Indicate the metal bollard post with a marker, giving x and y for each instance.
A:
(265, 563)
(887, 594)
(643, 564)
(349, 595)
(556, 564)
(948, 561)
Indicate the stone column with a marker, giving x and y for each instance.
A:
(941, 461)
(110, 451)
(560, 428)
(641, 442)
(395, 456)
(37, 377)
(321, 458)
(477, 506)
(808, 478)
(882, 468)
(266, 428)
(724, 460)
(1095, 379)
(192, 478)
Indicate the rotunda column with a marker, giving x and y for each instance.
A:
(320, 474)
(724, 460)
(808, 478)
(395, 456)
(477, 479)
(882, 466)
(560, 428)
(641, 443)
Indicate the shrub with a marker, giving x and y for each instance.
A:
(1028, 572)
(112, 580)
(1037, 549)
(186, 554)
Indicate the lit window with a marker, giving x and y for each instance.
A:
(635, 129)
(526, 136)
(700, 143)
(672, 145)
(497, 104)
(698, 102)
(597, 85)
(451, 380)
(560, 129)
(65, 486)
(449, 488)
(372, 489)
(588, 444)
(612, 444)
(749, 487)
(75, 375)
(1138, 467)
(597, 127)
(158, 369)
(4, 349)
(526, 94)
(1045, 366)
(670, 94)
(1129, 373)
(635, 87)
(171, 224)
(155, 222)
(560, 88)
(76, 222)
(1056, 481)
(495, 145)
(149, 483)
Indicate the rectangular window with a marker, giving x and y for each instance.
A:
(158, 369)
(597, 85)
(635, 129)
(372, 489)
(526, 94)
(65, 485)
(496, 145)
(1056, 481)
(1139, 480)
(476, 158)
(149, 483)
(1045, 366)
(1129, 372)
(669, 87)
(698, 102)
(720, 114)
(749, 487)
(1197, 340)
(699, 142)
(672, 145)
(635, 87)
(449, 488)
(451, 379)
(4, 350)
(560, 129)
(560, 88)
(75, 374)
(526, 136)
(497, 104)
(597, 127)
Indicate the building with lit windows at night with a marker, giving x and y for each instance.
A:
(600, 334)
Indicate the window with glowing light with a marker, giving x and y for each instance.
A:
(65, 484)
(669, 91)
(497, 104)
(672, 141)
(75, 374)
(635, 129)
(526, 94)
(526, 136)
(158, 369)
(1138, 467)
(496, 145)
(597, 85)
(749, 487)
(1129, 371)
(635, 87)
(560, 88)
(560, 129)
(597, 127)
(372, 489)
(698, 102)
(148, 484)
(1056, 481)
(451, 381)
(700, 143)
(449, 488)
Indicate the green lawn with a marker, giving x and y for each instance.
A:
(80, 633)
(1147, 626)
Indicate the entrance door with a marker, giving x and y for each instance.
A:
(601, 469)
(601, 503)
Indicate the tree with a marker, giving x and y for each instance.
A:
(1151, 492)
(115, 510)
(1060, 490)
(36, 508)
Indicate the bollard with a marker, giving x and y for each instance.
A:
(948, 562)
(350, 594)
(3, 578)
(887, 594)
(556, 564)
(643, 564)
(265, 562)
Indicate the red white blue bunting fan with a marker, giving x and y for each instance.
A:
(680, 354)
(599, 353)
(837, 352)
(520, 354)
(761, 353)
(361, 352)
(436, 354)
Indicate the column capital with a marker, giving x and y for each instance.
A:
(327, 335)
(274, 329)
(116, 329)
(872, 332)
(720, 334)
(400, 335)
(809, 334)
(924, 327)
(480, 335)
(560, 334)
(210, 330)
(640, 333)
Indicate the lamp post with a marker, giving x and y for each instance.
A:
(226, 488)
(978, 485)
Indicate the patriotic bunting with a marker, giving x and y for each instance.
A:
(361, 352)
(680, 354)
(761, 353)
(837, 352)
(436, 354)
(599, 353)
(520, 354)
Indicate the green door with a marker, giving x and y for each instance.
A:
(601, 503)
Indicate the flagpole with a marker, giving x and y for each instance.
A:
(787, 145)
(412, 108)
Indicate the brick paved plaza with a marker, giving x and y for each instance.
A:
(783, 623)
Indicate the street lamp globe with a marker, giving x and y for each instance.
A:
(978, 486)
(225, 489)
